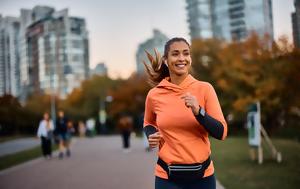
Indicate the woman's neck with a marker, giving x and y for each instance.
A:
(177, 79)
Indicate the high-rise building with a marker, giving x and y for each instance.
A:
(9, 56)
(296, 24)
(54, 51)
(157, 41)
(100, 70)
(229, 19)
(200, 18)
(25, 20)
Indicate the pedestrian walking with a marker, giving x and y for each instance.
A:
(125, 125)
(64, 136)
(180, 113)
(81, 129)
(45, 133)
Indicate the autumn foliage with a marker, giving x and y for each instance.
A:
(254, 70)
(257, 69)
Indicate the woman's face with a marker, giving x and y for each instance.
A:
(179, 58)
(46, 116)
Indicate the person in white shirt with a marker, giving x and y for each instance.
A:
(45, 132)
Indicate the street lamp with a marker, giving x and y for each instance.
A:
(102, 112)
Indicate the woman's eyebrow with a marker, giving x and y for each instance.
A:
(184, 50)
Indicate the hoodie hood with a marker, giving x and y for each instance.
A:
(165, 83)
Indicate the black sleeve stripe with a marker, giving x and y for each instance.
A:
(211, 125)
(149, 130)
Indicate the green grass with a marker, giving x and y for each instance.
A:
(235, 170)
(21, 157)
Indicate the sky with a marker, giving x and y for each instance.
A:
(117, 27)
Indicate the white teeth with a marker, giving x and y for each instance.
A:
(180, 65)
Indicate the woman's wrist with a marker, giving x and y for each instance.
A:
(197, 109)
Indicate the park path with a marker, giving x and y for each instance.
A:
(97, 162)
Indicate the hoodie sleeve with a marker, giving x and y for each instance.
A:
(213, 121)
(51, 125)
(149, 117)
(40, 129)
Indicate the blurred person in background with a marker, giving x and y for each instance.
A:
(63, 134)
(45, 133)
(81, 129)
(180, 113)
(125, 126)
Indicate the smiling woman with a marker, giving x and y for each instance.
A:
(178, 59)
(180, 113)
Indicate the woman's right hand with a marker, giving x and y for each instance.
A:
(154, 140)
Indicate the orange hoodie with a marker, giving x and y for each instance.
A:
(184, 139)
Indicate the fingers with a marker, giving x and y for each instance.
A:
(189, 99)
(154, 139)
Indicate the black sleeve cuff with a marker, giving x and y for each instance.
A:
(149, 130)
(211, 125)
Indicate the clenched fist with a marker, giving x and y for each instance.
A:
(154, 139)
(191, 102)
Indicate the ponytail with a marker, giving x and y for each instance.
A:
(157, 70)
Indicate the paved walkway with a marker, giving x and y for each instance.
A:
(13, 146)
(96, 163)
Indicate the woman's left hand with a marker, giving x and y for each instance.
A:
(191, 102)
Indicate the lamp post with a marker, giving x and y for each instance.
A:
(54, 72)
(102, 112)
(53, 110)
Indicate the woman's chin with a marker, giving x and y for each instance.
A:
(181, 73)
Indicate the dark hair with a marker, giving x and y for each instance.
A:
(157, 70)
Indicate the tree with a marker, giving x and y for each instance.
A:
(254, 70)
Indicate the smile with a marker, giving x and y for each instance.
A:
(181, 65)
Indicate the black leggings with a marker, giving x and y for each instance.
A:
(46, 146)
(204, 183)
(126, 139)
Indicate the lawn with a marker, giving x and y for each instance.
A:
(21, 157)
(235, 170)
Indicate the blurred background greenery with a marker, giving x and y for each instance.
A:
(241, 72)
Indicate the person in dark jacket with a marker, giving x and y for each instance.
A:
(125, 125)
(63, 134)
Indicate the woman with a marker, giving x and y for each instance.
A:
(45, 132)
(180, 113)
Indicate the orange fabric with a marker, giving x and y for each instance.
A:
(184, 139)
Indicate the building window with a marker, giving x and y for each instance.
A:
(238, 23)
(237, 15)
(236, 9)
(77, 44)
(234, 2)
(77, 58)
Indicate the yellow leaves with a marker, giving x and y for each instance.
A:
(75, 96)
(223, 84)
(256, 69)
(242, 103)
